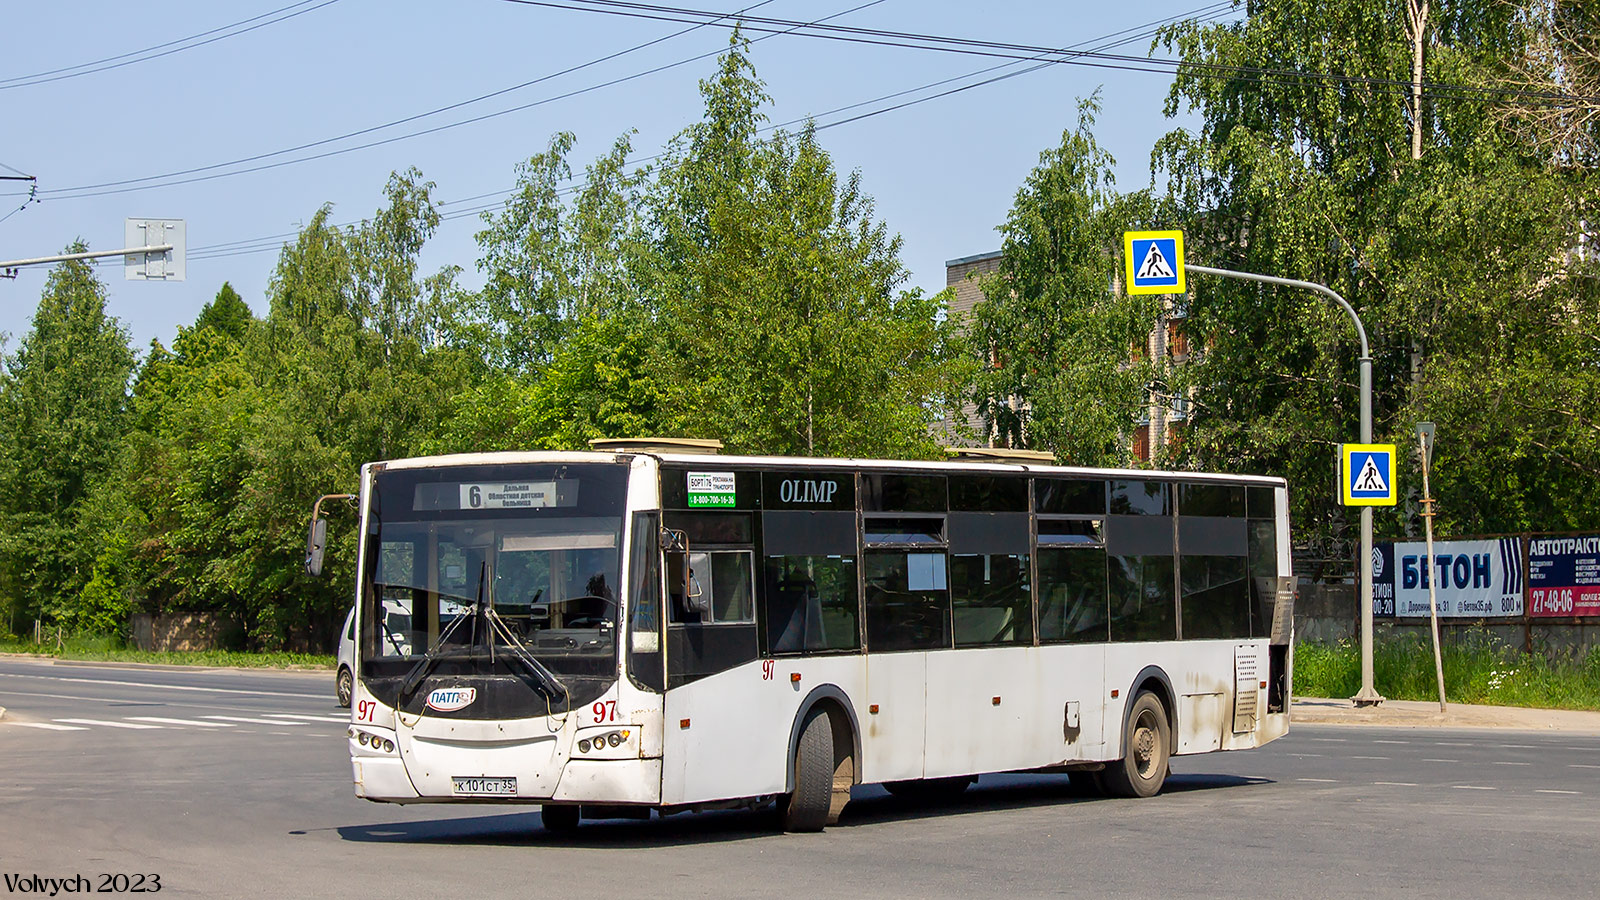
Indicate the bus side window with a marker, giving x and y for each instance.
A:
(811, 604)
(810, 600)
(1212, 547)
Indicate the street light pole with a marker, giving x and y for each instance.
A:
(1368, 695)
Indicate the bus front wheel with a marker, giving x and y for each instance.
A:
(1146, 742)
(806, 808)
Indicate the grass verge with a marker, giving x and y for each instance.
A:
(109, 649)
(1479, 669)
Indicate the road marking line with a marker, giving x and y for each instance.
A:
(1518, 747)
(49, 726)
(1511, 764)
(344, 719)
(1543, 791)
(166, 687)
(1319, 780)
(1396, 783)
(107, 723)
(1442, 760)
(1472, 787)
(1328, 740)
(1366, 757)
(1391, 742)
(1452, 744)
(186, 703)
(181, 722)
(1304, 755)
(1581, 766)
(252, 721)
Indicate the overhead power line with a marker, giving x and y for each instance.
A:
(974, 46)
(171, 179)
(768, 26)
(1115, 39)
(391, 124)
(166, 49)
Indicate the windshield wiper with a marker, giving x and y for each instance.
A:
(545, 680)
(425, 665)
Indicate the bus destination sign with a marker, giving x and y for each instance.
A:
(520, 495)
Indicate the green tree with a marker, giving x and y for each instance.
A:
(1053, 336)
(1449, 234)
(244, 422)
(63, 398)
(785, 329)
(226, 314)
(551, 263)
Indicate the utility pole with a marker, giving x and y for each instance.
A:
(1425, 452)
(1155, 265)
(1368, 696)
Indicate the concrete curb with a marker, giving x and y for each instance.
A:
(1420, 714)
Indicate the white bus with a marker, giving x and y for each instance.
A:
(654, 627)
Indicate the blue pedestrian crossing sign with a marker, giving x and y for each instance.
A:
(1366, 474)
(1154, 261)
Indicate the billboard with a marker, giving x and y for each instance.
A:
(1564, 576)
(1476, 579)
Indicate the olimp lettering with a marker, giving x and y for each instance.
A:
(794, 490)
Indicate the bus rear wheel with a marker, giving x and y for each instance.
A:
(1146, 744)
(807, 807)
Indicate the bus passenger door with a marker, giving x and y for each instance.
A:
(712, 682)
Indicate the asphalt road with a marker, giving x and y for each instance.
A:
(239, 786)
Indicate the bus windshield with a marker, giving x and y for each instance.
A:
(505, 576)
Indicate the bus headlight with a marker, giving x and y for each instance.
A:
(606, 743)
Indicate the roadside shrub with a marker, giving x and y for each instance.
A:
(1478, 668)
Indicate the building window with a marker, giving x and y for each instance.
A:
(1177, 340)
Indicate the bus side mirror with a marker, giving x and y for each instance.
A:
(671, 541)
(317, 536)
(316, 540)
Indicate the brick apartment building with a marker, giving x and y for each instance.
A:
(1165, 415)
